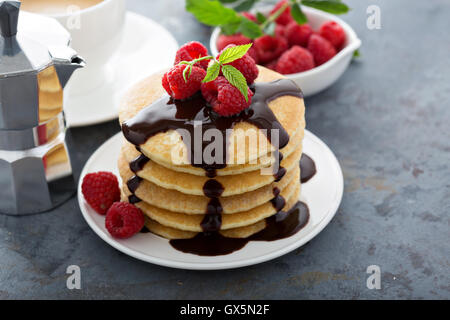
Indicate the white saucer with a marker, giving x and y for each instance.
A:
(322, 194)
(147, 47)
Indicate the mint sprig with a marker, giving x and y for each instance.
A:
(213, 72)
(236, 78)
(298, 14)
(331, 6)
(214, 13)
(233, 53)
(225, 14)
(211, 13)
(233, 75)
(190, 64)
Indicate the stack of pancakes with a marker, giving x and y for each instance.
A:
(172, 195)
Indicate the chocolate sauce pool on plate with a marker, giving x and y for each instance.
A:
(279, 226)
(307, 168)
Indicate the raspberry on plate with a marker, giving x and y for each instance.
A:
(124, 220)
(298, 34)
(173, 81)
(237, 39)
(286, 17)
(246, 65)
(224, 98)
(321, 49)
(100, 190)
(190, 51)
(296, 59)
(269, 48)
(334, 33)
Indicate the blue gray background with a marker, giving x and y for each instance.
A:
(387, 120)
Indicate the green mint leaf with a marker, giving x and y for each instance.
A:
(250, 29)
(212, 73)
(298, 14)
(186, 69)
(270, 29)
(245, 5)
(235, 77)
(227, 1)
(230, 28)
(233, 53)
(331, 6)
(260, 17)
(211, 12)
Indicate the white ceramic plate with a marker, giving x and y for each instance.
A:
(147, 47)
(323, 194)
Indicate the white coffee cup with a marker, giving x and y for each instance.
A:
(96, 33)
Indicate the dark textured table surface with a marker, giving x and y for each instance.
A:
(387, 120)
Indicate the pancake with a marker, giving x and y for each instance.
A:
(192, 222)
(176, 201)
(262, 162)
(161, 147)
(192, 184)
(171, 233)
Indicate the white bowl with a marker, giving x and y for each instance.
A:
(323, 76)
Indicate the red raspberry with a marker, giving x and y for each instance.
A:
(269, 48)
(124, 220)
(296, 59)
(253, 53)
(190, 51)
(321, 49)
(246, 65)
(271, 65)
(286, 17)
(100, 190)
(175, 85)
(237, 39)
(280, 31)
(249, 16)
(334, 33)
(298, 34)
(224, 98)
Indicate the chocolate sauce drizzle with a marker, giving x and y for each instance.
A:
(213, 215)
(169, 114)
(278, 201)
(133, 183)
(138, 164)
(213, 188)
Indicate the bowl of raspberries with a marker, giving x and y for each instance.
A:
(314, 54)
